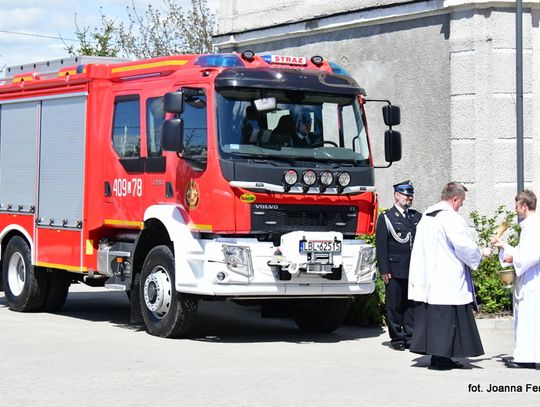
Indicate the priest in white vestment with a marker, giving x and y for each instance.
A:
(525, 258)
(440, 282)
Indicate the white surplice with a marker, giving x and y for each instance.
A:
(441, 257)
(527, 291)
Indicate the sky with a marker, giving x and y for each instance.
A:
(26, 25)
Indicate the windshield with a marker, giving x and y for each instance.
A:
(304, 125)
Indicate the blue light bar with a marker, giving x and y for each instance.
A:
(267, 58)
(338, 69)
(219, 60)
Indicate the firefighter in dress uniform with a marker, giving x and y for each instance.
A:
(396, 228)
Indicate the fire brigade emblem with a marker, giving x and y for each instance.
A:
(192, 195)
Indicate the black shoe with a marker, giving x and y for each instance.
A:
(441, 363)
(519, 365)
(397, 345)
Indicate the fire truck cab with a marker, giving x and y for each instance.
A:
(188, 178)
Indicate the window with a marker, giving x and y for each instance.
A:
(195, 128)
(126, 127)
(315, 126)
(154, 119)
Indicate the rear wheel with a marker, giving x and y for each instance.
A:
(166, 313)
(57, 290)
(320, 315)
(25, 286)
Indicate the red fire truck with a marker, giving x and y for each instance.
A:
(189, 178)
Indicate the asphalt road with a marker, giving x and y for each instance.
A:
(88, 355)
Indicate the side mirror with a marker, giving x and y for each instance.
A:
(392, 146)
(173, 102)
(172, 137)
(265, 104)
(391, 115)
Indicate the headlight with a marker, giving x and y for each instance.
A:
(344, 179)
(309, 177)
(238, 259)
(366, 261)
(326, 178)
(290, 177)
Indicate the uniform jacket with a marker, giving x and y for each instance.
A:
(441, 257)
(392, 256)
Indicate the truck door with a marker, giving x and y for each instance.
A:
(194, 183)
(125, 170)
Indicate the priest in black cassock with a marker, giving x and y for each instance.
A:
(442, 258)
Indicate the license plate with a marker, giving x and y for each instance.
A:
(329, 246)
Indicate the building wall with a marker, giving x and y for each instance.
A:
(241, 15)
(449, 64)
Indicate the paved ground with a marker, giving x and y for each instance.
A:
(88, 355)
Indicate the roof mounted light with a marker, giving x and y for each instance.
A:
(248, 55)
(309, 178)
(338, 69)
(290, 177)
(326, 178)
(343, 180)
(317, 60)
(219, 60)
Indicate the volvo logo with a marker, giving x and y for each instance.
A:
(261, 206)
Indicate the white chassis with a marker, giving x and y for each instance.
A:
(201, 267)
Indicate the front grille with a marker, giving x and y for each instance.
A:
(269, 218)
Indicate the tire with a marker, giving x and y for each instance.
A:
(165, 312)
(320, 315)
(57, 290)
(25, 286)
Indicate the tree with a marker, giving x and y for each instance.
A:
(98, 43)
(157, 32)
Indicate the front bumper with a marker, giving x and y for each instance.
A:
(245, 267)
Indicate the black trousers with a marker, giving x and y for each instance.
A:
(399, 311)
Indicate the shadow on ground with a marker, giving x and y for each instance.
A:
(217, 321)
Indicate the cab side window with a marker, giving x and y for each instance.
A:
(126, 133)
(155, 115)
(195, 127)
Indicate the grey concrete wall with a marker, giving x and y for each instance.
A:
(241, 15)
(449, 64)
(483, 105)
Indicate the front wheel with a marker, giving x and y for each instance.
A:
(320, 315)
(166, 313)
(25, 286)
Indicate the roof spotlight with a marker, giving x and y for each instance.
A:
(290, 178)
(326, 178)
(309, 178)
(343, 180)
(317, 60)
(248, 55)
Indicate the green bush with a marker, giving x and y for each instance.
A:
(492, 297)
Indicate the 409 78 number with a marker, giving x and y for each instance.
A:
(126, 187)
